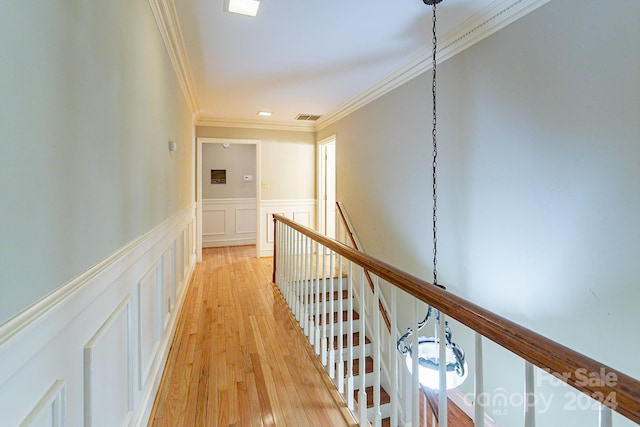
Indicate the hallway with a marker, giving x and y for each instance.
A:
(238, 357)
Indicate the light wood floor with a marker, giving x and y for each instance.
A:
(238, 357)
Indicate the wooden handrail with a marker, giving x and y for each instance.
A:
(357, 246)
(614, 389)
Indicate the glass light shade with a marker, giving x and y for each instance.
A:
(429, 376)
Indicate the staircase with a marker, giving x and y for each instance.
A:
(336, 321)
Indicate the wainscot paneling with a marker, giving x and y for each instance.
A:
(50, 410)
(92, 352)
(108, 390)
(228, 222)
(302, 211)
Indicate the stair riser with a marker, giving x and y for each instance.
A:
(356, 352)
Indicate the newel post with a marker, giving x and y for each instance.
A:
(275, 234)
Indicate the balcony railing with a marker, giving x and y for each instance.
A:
(325, 284)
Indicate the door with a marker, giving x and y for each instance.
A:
(327, 187)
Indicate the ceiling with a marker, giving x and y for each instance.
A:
(304, 56)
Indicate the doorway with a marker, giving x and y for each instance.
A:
(327, 187)
(199, 181)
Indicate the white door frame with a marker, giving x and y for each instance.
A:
(321, 182)
(198, 161)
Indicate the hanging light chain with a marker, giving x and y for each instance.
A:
(435, 154)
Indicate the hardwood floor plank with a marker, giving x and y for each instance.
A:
(239, 358)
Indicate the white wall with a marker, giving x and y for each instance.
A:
(538, 195)
(287, 160)
(238, 160)
(89, 103)
(97, 237)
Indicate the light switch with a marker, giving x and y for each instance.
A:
(247, 178)
(266, 184)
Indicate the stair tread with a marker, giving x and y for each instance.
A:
(356, 366)
(345, 340)
(384, 396)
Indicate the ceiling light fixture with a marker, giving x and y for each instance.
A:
(242, 7)
(265, 113)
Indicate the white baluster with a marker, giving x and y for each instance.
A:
(276, 252)
(289, 266)
(362, 397)
(393, 358)
(323, 314)
(442, 364)
(478, 409)
(296, 275)
(350, 379)
(415, 386)
(312, 295)
(300, 297)
(307, 285)
(605, 417)
(317, 320)
(377, 342)
(338, 338)
(285, 269)
(332, 359)
(529, 400)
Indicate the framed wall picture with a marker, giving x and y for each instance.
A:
(218, 176)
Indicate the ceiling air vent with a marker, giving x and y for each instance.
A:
(311, 117)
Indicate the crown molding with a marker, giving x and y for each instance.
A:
(166, 16)
(256, 124)
(488, 21)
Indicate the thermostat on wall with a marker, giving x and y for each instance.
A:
(247, 178)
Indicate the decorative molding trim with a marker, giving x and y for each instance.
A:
(150, 282)
(488, 21)
(91, 354)
(166, 16)
(291, 208)
(255, 124)
(53, 402)
(239, 213)
(230, 201)
(287, 202)
(30, 317)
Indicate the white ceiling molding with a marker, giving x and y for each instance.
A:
(164, 11)
(486, 22)
(256, 124)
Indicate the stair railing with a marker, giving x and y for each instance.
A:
(305, 289)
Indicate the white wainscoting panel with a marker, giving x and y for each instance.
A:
(101, 339)
(108, 390)
(302, 211)
(150, 320)
(228, 222)
(49, 412)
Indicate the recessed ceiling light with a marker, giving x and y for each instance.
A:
(243, 7)
(264, 113)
